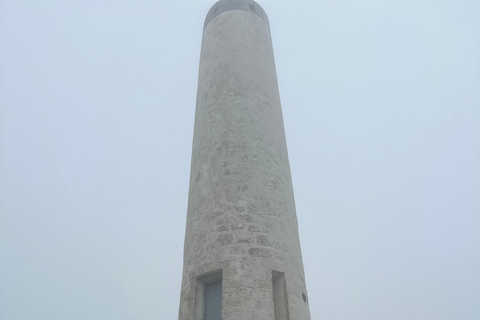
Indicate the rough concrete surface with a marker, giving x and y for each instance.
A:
(241, 220)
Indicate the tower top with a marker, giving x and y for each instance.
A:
(227, 5)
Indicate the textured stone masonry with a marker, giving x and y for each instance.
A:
(241, 220)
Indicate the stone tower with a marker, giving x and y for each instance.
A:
(242, 258)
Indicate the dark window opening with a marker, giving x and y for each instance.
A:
(280, 306)
(213, 301)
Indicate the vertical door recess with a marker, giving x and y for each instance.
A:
(279, 296)
(213, 301)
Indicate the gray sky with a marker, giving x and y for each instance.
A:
(381, 101)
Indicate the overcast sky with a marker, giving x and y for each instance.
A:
(381, 103)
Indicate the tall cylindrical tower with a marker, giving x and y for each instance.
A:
(242, 258)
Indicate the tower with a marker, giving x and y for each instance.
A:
(242, 258)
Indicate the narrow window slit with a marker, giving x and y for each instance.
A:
(213, 301)
(209, 297)
(280, 306)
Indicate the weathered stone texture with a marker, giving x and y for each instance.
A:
(241, 213)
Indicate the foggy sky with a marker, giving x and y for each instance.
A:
(381, 104)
